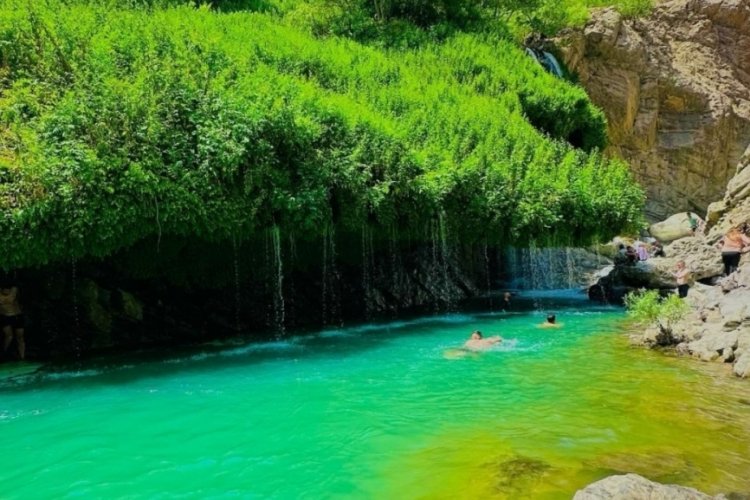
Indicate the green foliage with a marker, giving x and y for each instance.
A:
(382, 21)
(650, 309)
(118, 124)
(635, 8)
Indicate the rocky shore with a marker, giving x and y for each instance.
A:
(675, 89)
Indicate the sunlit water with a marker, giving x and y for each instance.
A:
(378, 411)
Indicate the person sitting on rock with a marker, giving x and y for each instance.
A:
(732, 246)
(551, 322)
(477, 343)
(11, 319)
(641, 250)
(631, 254)
(681, 275)
(620, 257)
(657, 250)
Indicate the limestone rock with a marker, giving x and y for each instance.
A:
(735, 207)
(735, 308)
(675, 227)
(710, 347)
(702, 260)
(741, 366)
(714, 212)
(635, 487)
(676, 92)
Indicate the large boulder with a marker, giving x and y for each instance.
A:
(673, 228)
(635, 487)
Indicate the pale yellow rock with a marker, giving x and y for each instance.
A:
(673, 228)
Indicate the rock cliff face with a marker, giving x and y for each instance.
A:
(675, 87)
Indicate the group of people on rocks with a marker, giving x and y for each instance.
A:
(639, 251)
(732, 245)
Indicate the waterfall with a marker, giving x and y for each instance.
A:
(487, 274)
(278, 296)
(76, 316)
(434, 229)
(331, 306)
(290, 304)
(571, 268)
(535, 268)
(324, 283)
(237, 296)
(366, 270)
(444, 255)
(553, 66)
(395, 262)
(547, 60)
(267, 289)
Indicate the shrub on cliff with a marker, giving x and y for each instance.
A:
(651, 310)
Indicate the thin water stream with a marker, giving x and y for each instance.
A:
(380, 410)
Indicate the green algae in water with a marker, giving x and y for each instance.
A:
(377, 411)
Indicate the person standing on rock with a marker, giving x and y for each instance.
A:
(693, 221)
(681, 275)
(732, 246)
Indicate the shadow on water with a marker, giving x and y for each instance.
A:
(119, 369)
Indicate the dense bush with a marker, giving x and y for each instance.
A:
(121, 123)
(650, 309)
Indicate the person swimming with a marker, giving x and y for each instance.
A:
(551, 322)
(478, 343)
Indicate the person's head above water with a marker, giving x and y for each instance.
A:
(476, 335)
(551, 318)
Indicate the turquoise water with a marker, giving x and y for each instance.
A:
(380, 411)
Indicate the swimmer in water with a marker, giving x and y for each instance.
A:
(478, 343)
(551, 322)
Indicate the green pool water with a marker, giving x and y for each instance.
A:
(380, 411)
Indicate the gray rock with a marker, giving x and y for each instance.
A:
(741, 366)
(635, 487)
(712, 344)
(735, 308)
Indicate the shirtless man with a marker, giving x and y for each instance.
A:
(478, 343)
(11, 319)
